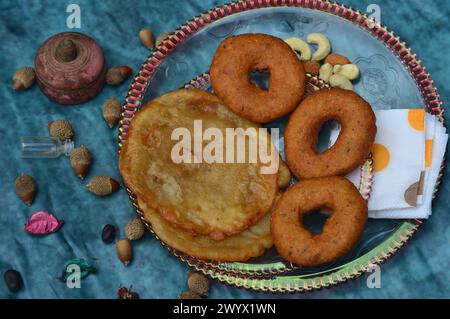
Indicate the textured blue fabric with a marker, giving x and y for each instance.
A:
(419, 270)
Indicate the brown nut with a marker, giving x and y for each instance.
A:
(60, 130)
(337, 59)
(25, 187)
(312, 67)
(198, 283)
(111, 111)
(124, 251)
(80, 160)
(116, 75)
(135, 229)
(102, 185)
(24, 78)
(146, 37)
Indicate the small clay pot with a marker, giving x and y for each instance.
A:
(70, 68)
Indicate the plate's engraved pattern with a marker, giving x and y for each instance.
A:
(296, 26)
(379, 80)
(425, 85)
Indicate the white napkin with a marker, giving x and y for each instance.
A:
(424, 210)
(411, 149)
(398, 155)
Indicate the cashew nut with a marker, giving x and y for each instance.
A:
(323, 45)
(340, 81)
(350, 71)
(325, 72)
(300, 46)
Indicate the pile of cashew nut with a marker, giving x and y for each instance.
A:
(337, 70)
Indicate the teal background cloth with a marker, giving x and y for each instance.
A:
(420, 270)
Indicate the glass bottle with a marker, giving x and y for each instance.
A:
(44, 147)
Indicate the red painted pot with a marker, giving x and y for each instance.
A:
(70, 68)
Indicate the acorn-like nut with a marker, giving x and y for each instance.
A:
(146, 37)
(25, 187)
(198, 283)
(124, 251)
(60, 130)
(80, 159)
(111, 111)
(24, 78)
(312, 67)
(116, 75)
(160, 39)
(135, 229)
(189, 295)
(102, 185)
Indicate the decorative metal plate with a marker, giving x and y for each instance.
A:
(392, 77)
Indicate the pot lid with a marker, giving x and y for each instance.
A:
(69, 61)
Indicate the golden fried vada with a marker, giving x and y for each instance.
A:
(341, 231)
(353, 145)
(239, 55)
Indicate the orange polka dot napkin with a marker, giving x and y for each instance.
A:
(407, 154)
(434, 155)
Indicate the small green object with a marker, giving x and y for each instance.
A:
(85, 268)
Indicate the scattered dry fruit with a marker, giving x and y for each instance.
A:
(198, 283)
(60, 130)
(124, 251)
(102, 185)
(116, 75)
(25, 187)
(337, 59)
(111, 111)
(146, 37)
(135, 229)
(312, 67)
(80, 159)
(24, 78)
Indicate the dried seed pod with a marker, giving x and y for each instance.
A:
(25, 187)
(189, 295)
(102, 185)
(24, 78)
(135, 229)
(160, 39)
(111, 111)
(80, 159)
(13, 280)
(146, 37)
(60, 130)
(116, 75)
(124, 251)
(312, 67)
(198, 283)
(108, 234)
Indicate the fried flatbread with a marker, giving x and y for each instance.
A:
(250, 243)
(217, 199)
